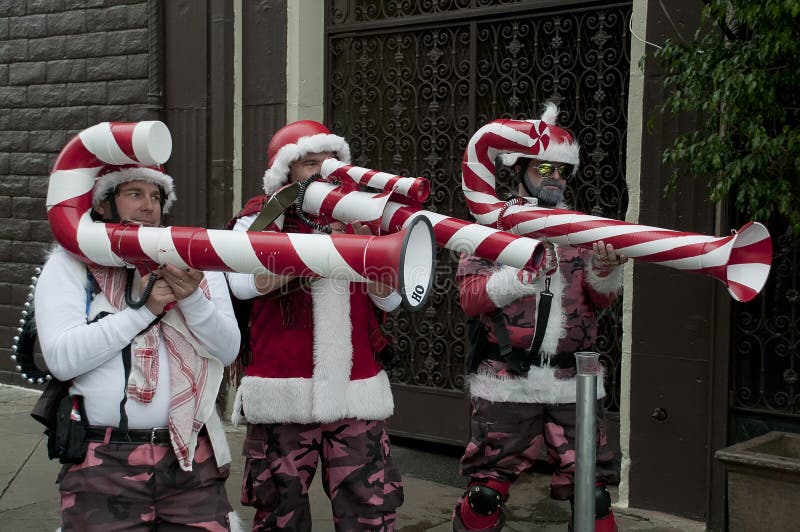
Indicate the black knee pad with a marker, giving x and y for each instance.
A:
(602, 502)
(484, 500)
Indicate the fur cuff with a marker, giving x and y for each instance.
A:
(604, 280)
(504, 287)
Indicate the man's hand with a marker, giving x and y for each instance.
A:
(182, 282)
(267, 283)
(160, 296)
(378, 290)
(361, 229)
(605, 256)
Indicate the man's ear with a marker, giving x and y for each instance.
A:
(103, 209)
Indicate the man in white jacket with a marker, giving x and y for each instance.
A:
(145, 368)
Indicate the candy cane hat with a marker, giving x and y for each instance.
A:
(561, 148)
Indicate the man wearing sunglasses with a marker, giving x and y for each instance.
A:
(543, 180)
(522, 380)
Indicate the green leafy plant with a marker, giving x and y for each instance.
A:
(741, 71)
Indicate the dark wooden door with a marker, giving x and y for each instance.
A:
(198, 80)
(263, 86)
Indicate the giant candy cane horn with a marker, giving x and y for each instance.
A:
(741, 261)
(403, 261)
(332, 198)
(415, 189)
(457, 235)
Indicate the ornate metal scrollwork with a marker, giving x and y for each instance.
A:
(408, 99)
(355, 11)
(766, 337)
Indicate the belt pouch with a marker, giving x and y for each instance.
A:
(45, 411)
(71, 442)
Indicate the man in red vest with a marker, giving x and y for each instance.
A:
(313, 388)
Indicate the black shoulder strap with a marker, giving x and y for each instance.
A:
(542, 316)
(501, 333)
(242, 309)
(278, 203)
(517, 363)
(126, 364)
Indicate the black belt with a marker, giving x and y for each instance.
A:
(563, 360)
(157, 436)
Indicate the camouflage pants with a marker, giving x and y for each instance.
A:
(507, 439)
(358, 474)
(141, 487)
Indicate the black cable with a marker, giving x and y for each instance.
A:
(298, 202)
(145, 293)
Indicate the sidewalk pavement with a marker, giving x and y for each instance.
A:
(29, 499)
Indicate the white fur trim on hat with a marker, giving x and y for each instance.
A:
(277, 175)
(562, 153)
(108, 182)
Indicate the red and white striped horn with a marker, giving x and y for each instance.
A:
(451, 233)
(416, 189)
(334, 202)
(404, 262)
(741, 261)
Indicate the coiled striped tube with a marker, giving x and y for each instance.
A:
(741, 260)
(404, 263)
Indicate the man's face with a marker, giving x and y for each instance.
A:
(548, 190)
(308, 165)
(136, 201)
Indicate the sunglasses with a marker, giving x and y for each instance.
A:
(548, 169)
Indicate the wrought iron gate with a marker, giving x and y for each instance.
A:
(765, 351)
(408, 83)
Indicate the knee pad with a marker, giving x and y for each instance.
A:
(602, 501)
(480, 508)
(483, 499)
(485, 496)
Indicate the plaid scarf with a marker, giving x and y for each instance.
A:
(188, 365)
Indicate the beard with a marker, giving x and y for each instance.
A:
(549, 193)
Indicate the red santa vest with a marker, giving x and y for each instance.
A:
(312, 352)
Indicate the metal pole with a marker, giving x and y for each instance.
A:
(588, 365)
